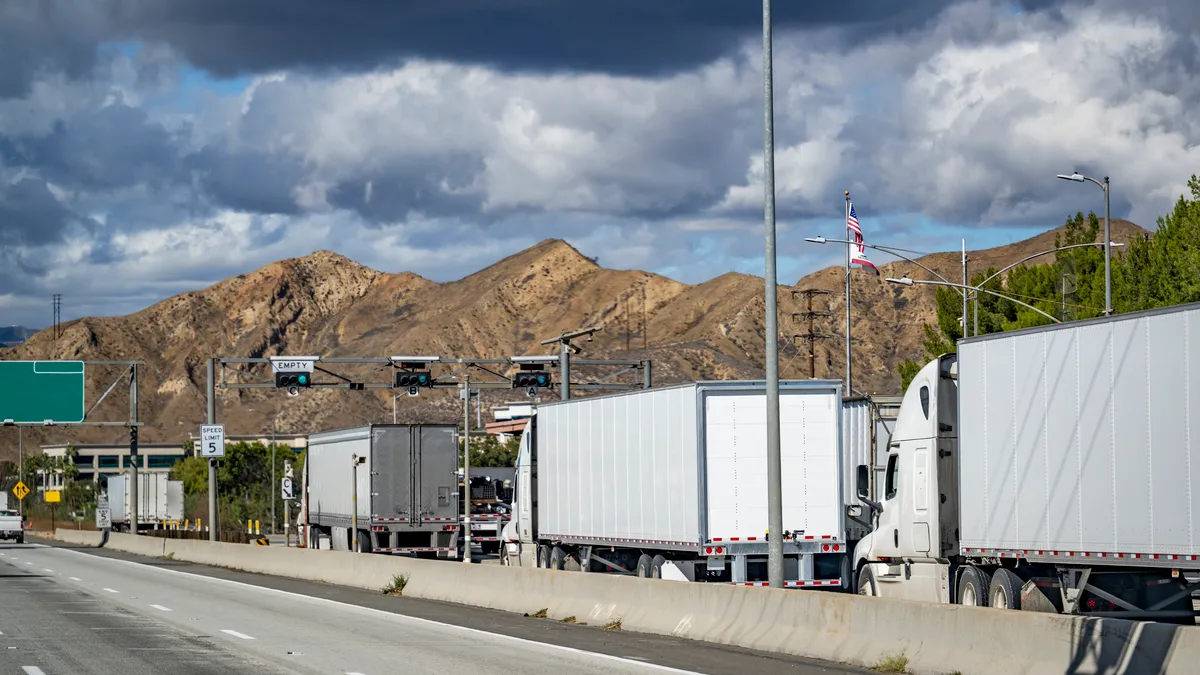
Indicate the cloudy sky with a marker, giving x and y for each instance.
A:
(148, 148)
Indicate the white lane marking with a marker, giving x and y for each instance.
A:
(47, 569)
(160, 607)
(398, 617)
(112, 590)
(33, 670)
(29, 563)
(236, 634)
(75, 579)
(353, 673)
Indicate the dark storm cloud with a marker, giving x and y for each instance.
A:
(29, 213)
(234, 37)
(433, 185)
(115, 146)
(248, 180)
(46, 36)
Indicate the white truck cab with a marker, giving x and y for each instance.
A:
(915, 522)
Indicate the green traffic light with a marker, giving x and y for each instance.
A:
(303, 379)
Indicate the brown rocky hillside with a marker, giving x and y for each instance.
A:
(324, 304)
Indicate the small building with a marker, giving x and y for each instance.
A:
(511, 419)
(97, 461)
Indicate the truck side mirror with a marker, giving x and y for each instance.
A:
(863, 482)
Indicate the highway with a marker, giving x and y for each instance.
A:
(81, 611)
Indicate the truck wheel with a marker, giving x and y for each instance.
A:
(543, 557)
(656, 565)
(973, 587)
(866, 582)
(558, 558)
(20, 539)
(364, 542)
(643, 566)
(1005, 591)
(505, 561)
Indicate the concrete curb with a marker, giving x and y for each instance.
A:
(934, 639)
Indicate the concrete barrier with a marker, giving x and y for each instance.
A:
(834, 626)
(80, 537)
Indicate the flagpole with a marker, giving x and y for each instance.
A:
(849, 382)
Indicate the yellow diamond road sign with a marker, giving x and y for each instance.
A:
(20, 490)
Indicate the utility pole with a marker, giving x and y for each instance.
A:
(355, 460)
(21, 466)
(466, 399)
(213, 525)
(774, 465)
(134, 458)
(812, 335)
(965, 331)
(271, 491)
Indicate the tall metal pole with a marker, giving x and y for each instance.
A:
(466, 397)
(564, 366)
(394, 398)
(21, 466)
(849, 371)
(774, 467)
(271, 490)
(134, 458)
(354, 503)
(1108, 308)
(212, 463)
(965, 329)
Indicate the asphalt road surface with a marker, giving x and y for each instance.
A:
(80, 611)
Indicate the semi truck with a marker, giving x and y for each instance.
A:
(401, 477)
(160, 500)
(1052, 469)
(671, 483)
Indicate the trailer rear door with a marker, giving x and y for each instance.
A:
(735, 424)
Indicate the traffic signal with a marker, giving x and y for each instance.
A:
(292, 381)
(413, 378)
(531, 378)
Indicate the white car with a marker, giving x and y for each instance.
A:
(12, 526)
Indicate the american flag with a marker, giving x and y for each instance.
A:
(858, 253)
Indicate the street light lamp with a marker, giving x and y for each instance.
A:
(909, 282)
(1079, 178)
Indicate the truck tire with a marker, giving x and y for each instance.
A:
(973, 587)
(643, 566)
(558, 558)
(543, 557)
(20, 538)
(656, 565)
(1005, 590)
(866, 582)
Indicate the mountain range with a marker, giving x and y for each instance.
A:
(11, 336)
(325, 304)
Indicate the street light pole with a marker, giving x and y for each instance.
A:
(774, 463)
(909, 282)
(965, 332)
(1023, 261)
(271, 491)
(1079, 178)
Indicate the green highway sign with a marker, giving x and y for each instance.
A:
(35, 392)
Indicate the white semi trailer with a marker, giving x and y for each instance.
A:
(159, 500)
(402, 494)
(1050, 469)
(671, 483)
